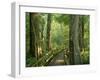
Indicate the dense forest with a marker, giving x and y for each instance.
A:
(54, 39)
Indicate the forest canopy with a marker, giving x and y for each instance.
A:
(54, 39)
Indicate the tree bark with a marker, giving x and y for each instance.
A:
(74, 40)
(48, 41)
(75, 28)
(81, 32)
(34, 35)
(71, 44)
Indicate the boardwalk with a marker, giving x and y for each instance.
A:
(57, 60)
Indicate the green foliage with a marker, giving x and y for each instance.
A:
(61, 18)
(30, 61)
(85, 57)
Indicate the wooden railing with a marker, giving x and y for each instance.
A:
(46, 59)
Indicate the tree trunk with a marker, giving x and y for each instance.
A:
(71, 44)
(81, 32)
(34, 35)
(75, 30)
(48, 33)
(74, 40)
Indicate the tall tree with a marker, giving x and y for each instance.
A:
(71, 44)
(75, 28)
(74, 40)
(81, 32)
(34, 34)
(48, 36)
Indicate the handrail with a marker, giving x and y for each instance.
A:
(43, 61)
